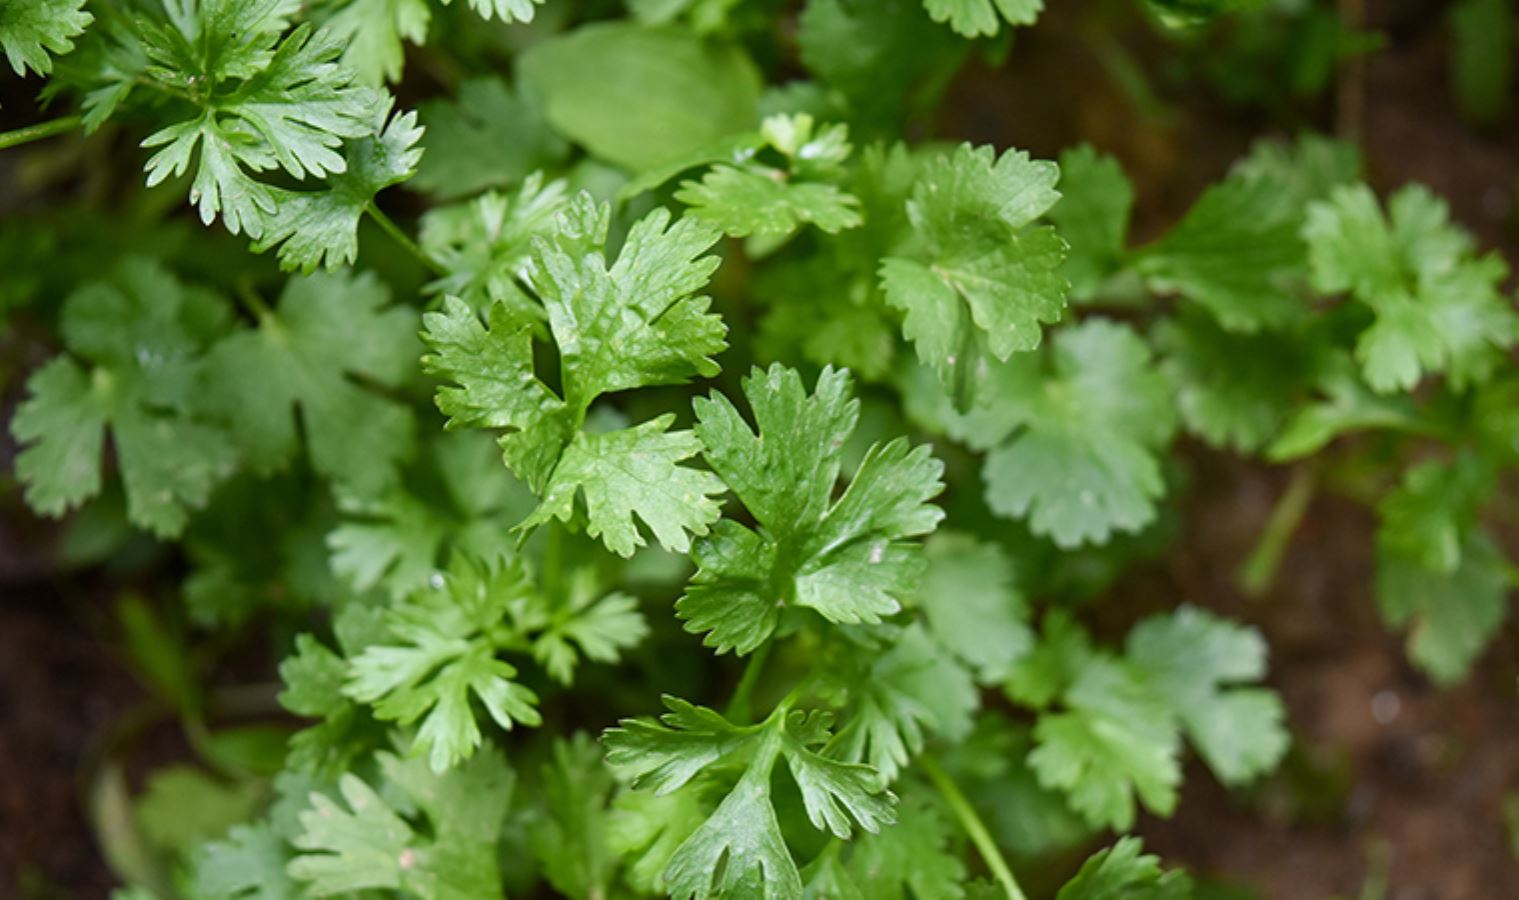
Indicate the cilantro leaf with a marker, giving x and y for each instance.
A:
(752, 198)
(248, 864)
(367, 842)
(280, 102)
(1236, 253)
(974, 18)
(915, 857)
(1453, 614)
(490, 135)
(1346, 405)
(441, 654)
(1096, 200)
(1437, 306)
(571, 841)
(372, 33)
(1429, 516)
(847, 560)
(32, 32)
(909, 689)
(972, 604)
(306, 357)
(1120, 871)
(456, 496)
(1224, 392)
(1198, 662)
(141, 333)
(978, 278)
(313, 228)
(633, 324)
(1081, 462)
(1116, 739)
(666, 755)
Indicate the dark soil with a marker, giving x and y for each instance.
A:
(1409, 799)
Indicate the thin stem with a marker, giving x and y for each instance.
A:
(37, 132)
(738, 707)
(975, 829)
(1259, 570)
(400, 237)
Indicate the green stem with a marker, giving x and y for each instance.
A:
(400, 237)
(738, 707)
(974, 827)
(37, 132)
(1259, 570)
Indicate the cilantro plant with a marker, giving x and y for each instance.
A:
(655, 461)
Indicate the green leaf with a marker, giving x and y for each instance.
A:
(978, 279)
(1117, 739)
(1120, 871)
(916, 857)
(440, 656)
(1235, 391)
(848, 560)
(32, 32)
(1199, 664)
(632, 472)
(974, 18)
(907, 691)
(666, 755)
(1437, 305)
(1096, 200)
(505, 10)
(1236, 253)
(973, 606)
(281, 102)
(363, 846)
(1082, 461)
(184, 806)
(1453, 615)
(1347, 405)
(639, 97)
(1428, 518)
(320, 228)
(307, 359)
(571, 842)
(248, 864)
(141, 332)
(491, 135)
(372, 33)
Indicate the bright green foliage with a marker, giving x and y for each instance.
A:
(571, 842)
(248, 864)
(505, 10)
(1437, 305)
(972, 604)
(847, 560)
(1113, 732)
(306, 357)
(1092, 216)
(491, 135)
(259, 101)
(372, 33)
(753, 198)
(639, 97)
(484, 245)
(977, 279)
(33, 31)
(1346, 405)
(1084, 425)
(313, 228)
(370, 841)
(1236, 254)
(455, 497)
(1438, 569)
(444, 642)
(1121, 872)
(906, 692)
(442, 652)
(1198, 663)
(636, 323)
(1224, 393)
(136, 342)
(666, 755)
(974, 18)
